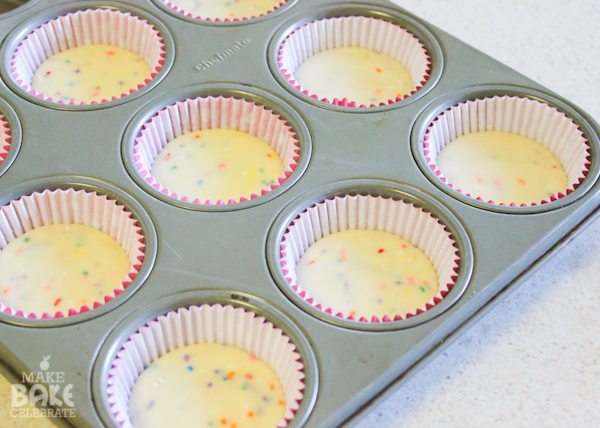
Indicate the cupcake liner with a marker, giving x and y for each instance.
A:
(246, 18)
(354, 31)
(212, 113)
(99, 26)
(212, 324)
(4, 139)
(73, 207)
(523, 116)
(403, 219)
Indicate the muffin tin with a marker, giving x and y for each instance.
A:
(228, 254)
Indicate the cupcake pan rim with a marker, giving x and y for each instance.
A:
(18, 35)
(445, 102)
(419, 31)
(151, 311)
(138, 213)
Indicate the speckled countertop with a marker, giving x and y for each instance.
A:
(534, 361)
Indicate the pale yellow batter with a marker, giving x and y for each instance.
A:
(217, 164)
(207, 385)
(502, 167)
(366, 273)
(226, 9)
(90, 73)
(60, 267)
(358, 74)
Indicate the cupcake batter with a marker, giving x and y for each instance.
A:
(90, 73)
(60, 267)
(226, 9)
(358, 74)
(366, 273)
(207, 385)
(502, 167)
(217, 164)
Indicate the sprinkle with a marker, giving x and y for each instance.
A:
(151, 404)
(68, 61)
(310, 263)
(190, 368)
(209, 384)
(85, 272)
(343, 255)
(352, 313)
(480, 180)
(411, 281)
(382, 287)
(248, 375)
(522, 181)
(250, 414)
(272, 387)
(174, 167)
(554, 166)
(379, 91)
(379, 70)
(5, 291)
(281, 402)
(223, 421)
(97, 87)
(197, 136)
(404, 246)
(57, 301)
(110, 53)
(252, 357)
(422, 289)
(186, 357)
(222, 165)
(230, 375)
(265, 398)
(48, 73)
(425, 283)
(200, 182)
(381, 251)
(77, 71)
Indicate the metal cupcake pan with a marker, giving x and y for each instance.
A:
(228, 256)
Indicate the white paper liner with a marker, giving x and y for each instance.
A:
(355, 31)
(208, 18)
(523, 116)
(99, 26)
(359, 212)
(205, 324)
(212, 113)
(4, 139)
(73, 207)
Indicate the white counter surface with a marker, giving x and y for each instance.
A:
(534, 361)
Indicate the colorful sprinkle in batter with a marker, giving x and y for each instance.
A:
(217, 164)
(226, 9)
(207, 385)
(60, 267)
(358, 74)
(90, 73)
(366, 273)
(502, 167)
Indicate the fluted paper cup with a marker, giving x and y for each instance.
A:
(213, 113)
(359, 212)
(92, 26)
(4, 139)
(523, 116)
(354, 31)
(181, 10)
(205, 324)
(72, 207)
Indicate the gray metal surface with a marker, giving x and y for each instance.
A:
(227, 250)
